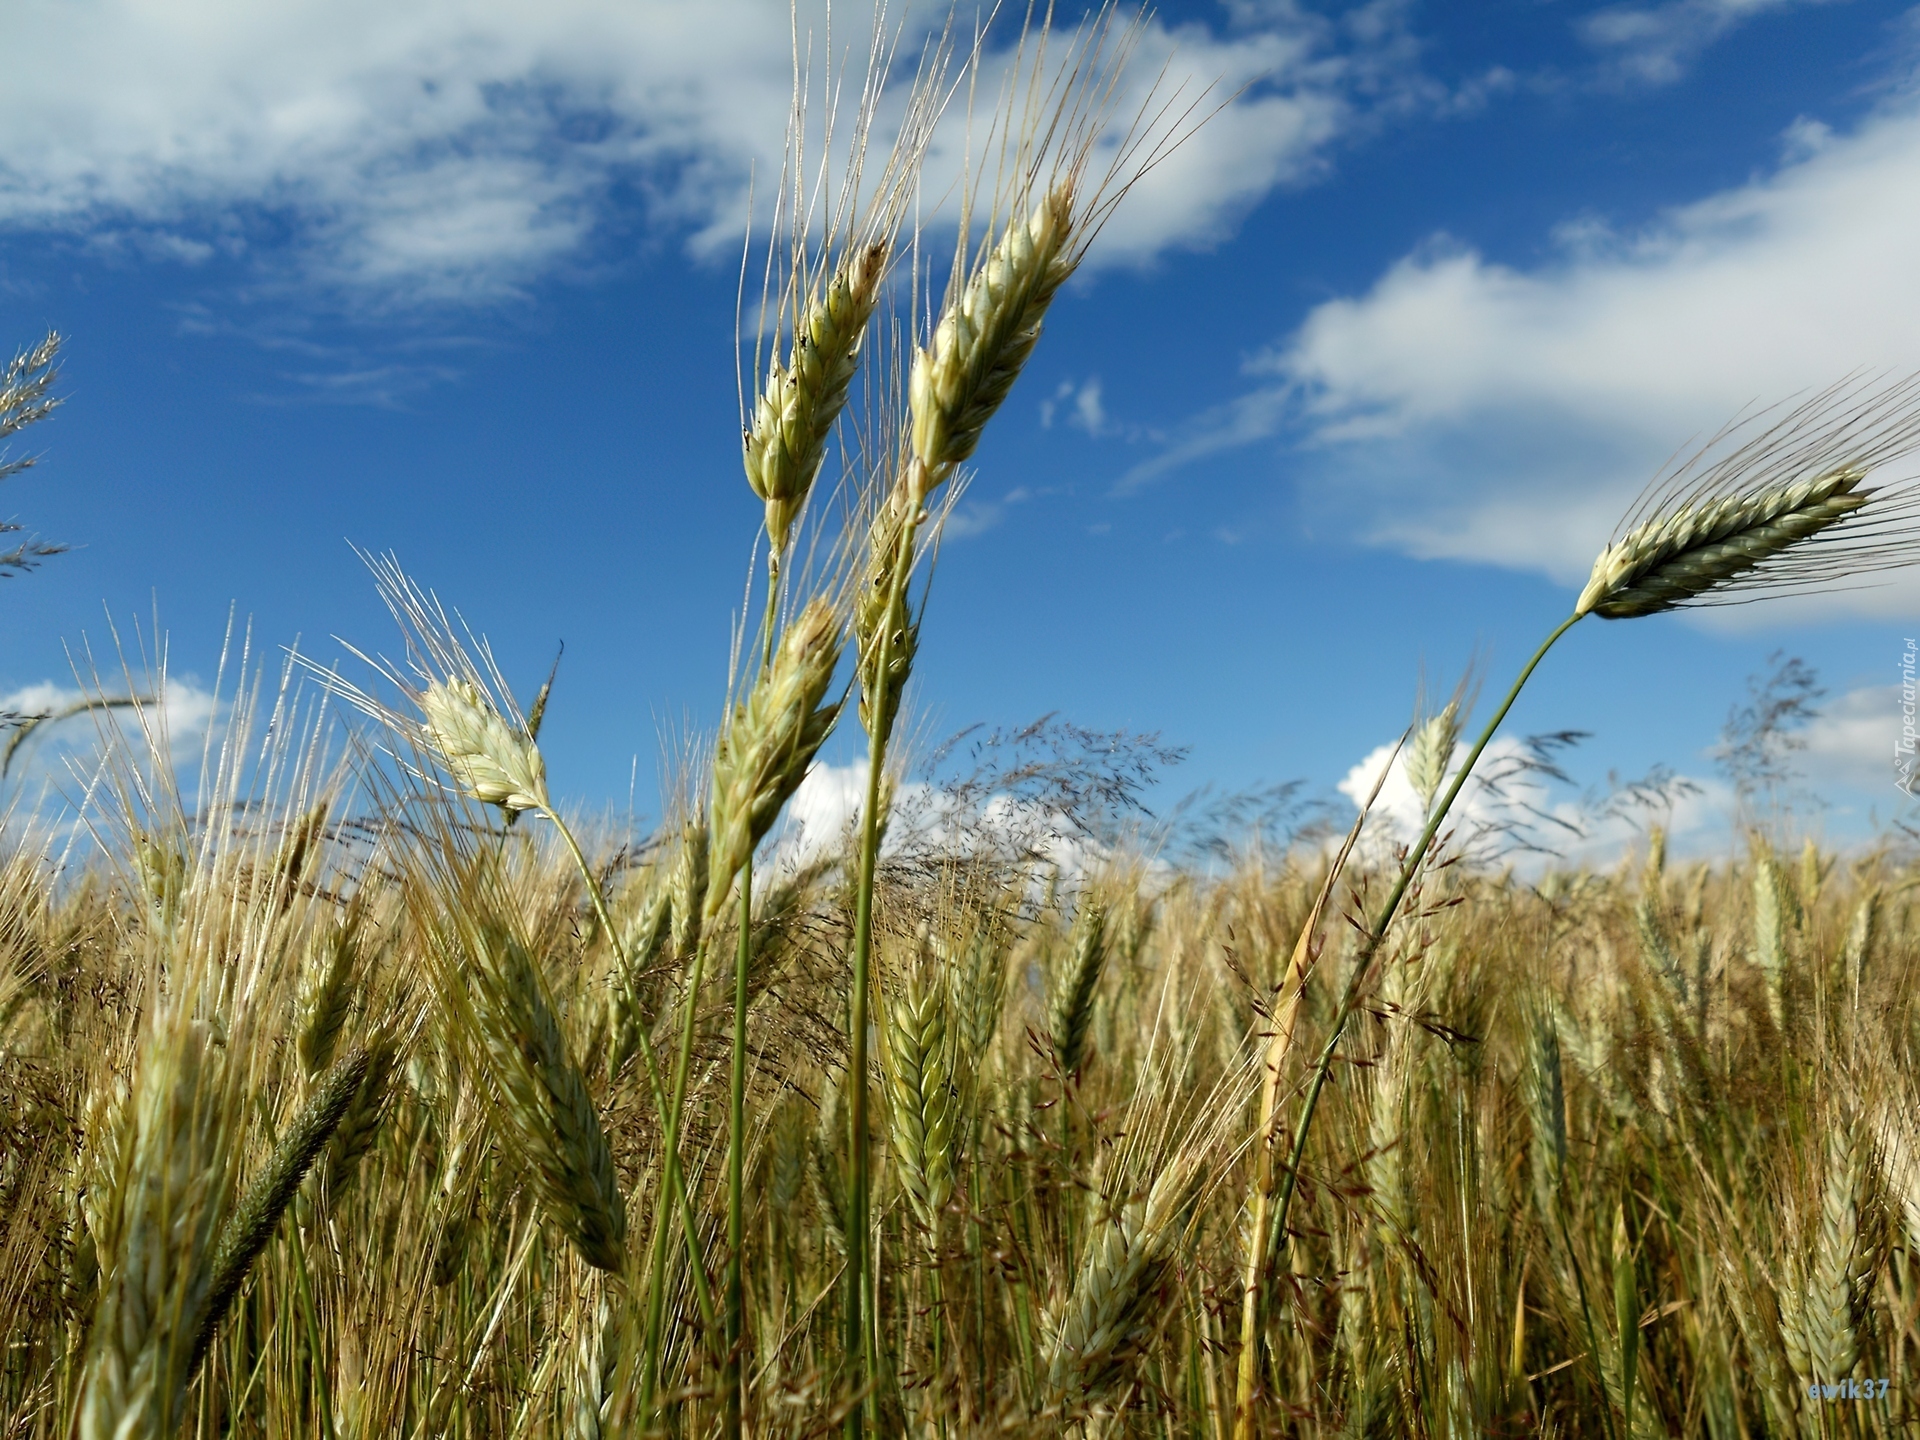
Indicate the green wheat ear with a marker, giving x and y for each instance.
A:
(1787, 509)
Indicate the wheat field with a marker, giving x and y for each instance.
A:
(353, 1086)
(1609, 1153)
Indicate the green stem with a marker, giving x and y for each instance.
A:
(861, 1338)
(317, 1368)
(736, 1153)
(670, 1155)
(670, 1144)
(856, 1330)
(1275, 1234)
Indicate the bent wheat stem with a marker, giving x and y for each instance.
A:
(1266, 1234)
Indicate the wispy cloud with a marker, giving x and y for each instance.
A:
(1657, 44)
(1471, 410)
(442, 151)
(973, 517)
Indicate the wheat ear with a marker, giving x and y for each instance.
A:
(1769, 514)
(1771, 953)
(771, 740)
(1432, 752)
(1070, 1016)
(543, 1103)
(157, 1243)
(1820, 1323)
(986, 335)
(802, 398)
(327, 995)
(1111, 1314)
(487, 758)
(924, 1107)
(254, 1219)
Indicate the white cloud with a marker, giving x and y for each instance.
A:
(1468, 409)
(1655, 44)
(452, 149)
(60, 756)
(1085, 407)
(825, 810)
(1850, 745)
(975, 517)
(1507, 808)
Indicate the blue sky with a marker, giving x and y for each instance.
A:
(1349, 393)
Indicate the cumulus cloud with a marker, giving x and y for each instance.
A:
(1473, 410)
(1852, 746)
(454, 151)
